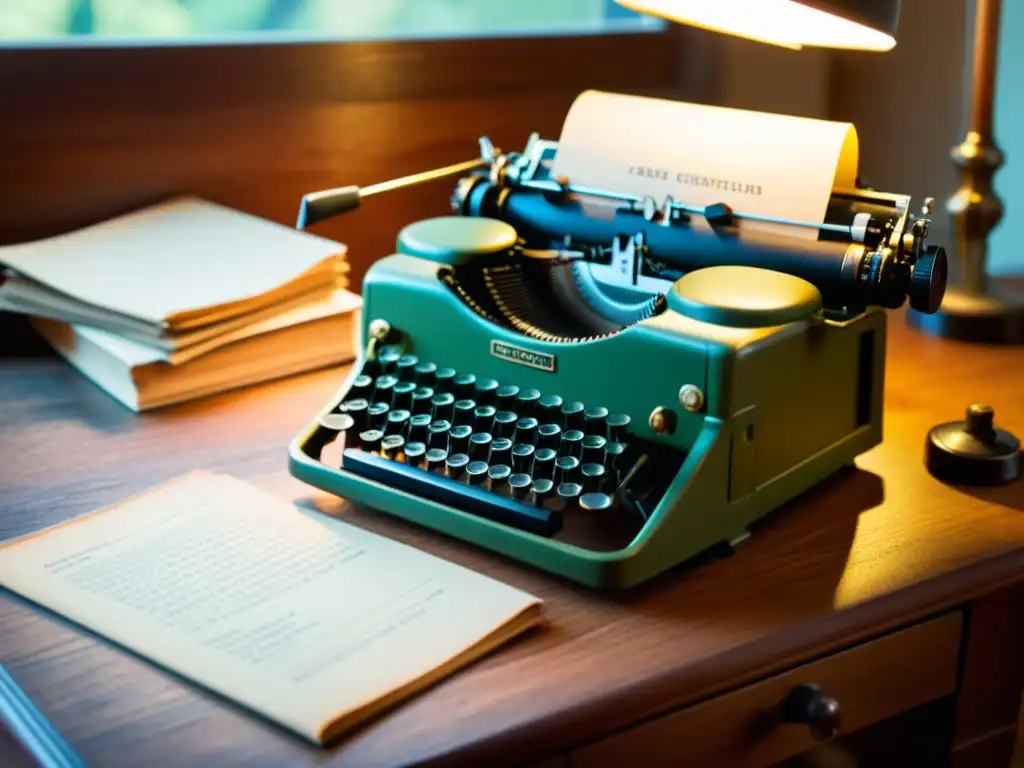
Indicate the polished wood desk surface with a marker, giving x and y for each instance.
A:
(877, 547)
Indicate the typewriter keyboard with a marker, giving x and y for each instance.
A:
(514, 455)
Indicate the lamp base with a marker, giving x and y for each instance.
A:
(995, 317)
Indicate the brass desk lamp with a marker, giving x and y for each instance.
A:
(976, 307)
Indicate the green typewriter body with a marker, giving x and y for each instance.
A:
(513, 390)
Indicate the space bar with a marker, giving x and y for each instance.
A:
(444, 490)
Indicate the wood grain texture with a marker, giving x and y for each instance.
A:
(871, 682)
(878, 547)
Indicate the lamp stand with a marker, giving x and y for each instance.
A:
(977, 307)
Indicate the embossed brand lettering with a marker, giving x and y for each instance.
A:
(523, 356)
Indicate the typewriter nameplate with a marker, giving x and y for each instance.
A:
(523, 356)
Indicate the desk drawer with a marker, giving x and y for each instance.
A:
(870, 683)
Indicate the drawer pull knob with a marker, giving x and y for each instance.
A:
(807, 704)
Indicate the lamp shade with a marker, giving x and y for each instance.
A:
(853, 24)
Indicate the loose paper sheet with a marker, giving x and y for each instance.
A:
(755, 162)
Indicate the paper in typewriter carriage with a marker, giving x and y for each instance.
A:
(755, 162)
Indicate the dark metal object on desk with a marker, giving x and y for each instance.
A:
(973, 451)
(977, 306)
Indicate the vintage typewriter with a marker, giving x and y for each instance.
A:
(605, 386)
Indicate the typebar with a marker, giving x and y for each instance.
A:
(468, 498)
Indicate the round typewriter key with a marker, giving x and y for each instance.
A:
(444, 379)
(497, 476)
(519, 484)
(526, 430)
(398, 423)
(486, 391)
(572, 415)
(370, 440)
(464, 384)
(527, 401)
(507, 395)
(425, 374)
(595, 420)
(405, 368)
(549, 436)
(464, 412)
(566, 469)
(569, 492)
(443, 404)
(479, 445)
(501, 451)
(358, 409)
(418, 427)
(388, 359)
(458, 438)
(483, 418)
(595, 502)
(421, 397)
(378, 415)
(542, 490)
(522, 458)
(415, 453)
(550, 409)
(476, 472)
(593, 476)
(544, 462)
(613, 454)
(572, 443)
(392, 446)
(436, 458)
(337, 422)
(361, 386)
(437, 433)
(455, 465)
(618, 423)
(403, 395)
(593, 449)
(505, 423)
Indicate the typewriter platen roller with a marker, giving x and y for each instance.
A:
(603, 386)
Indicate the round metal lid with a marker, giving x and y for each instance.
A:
(455, 239)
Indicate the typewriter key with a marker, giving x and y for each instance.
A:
(405, 368)
(378, 415)
(398, 423)
(486, 391)
(507, 395)
(392, 446)
(593, 476)
(370, 440)
(444, 379)
(384, 390)
(501, 451)
(436, 458)
(455, 465)
(595, 420)
(572, 415)
(566, 469)
(522, 458)
(572, 442)
(415, 454)
(542, 490)
(595, 502)
(421, 397)
(618, 423)
(497, 476)
(479, 445)
(593, 449)
(464, 384)
(403, 395)
(519, 484)
(544, 463)
(418, 428)
(483, 418)
(458, 438)
(527, 401)
(358, 410)
(476, 472)
(550, 409)
(464, 412)
(437, 433)
(362, 386)
(443, 404)
(549, 436)
(337, 422)
(425, 374)
(388, 359)
(613, 455)
(526, 430)
(569, 492)
(505, 424)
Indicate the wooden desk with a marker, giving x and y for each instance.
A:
(903, 597)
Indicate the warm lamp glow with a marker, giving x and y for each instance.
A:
(787, 23)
